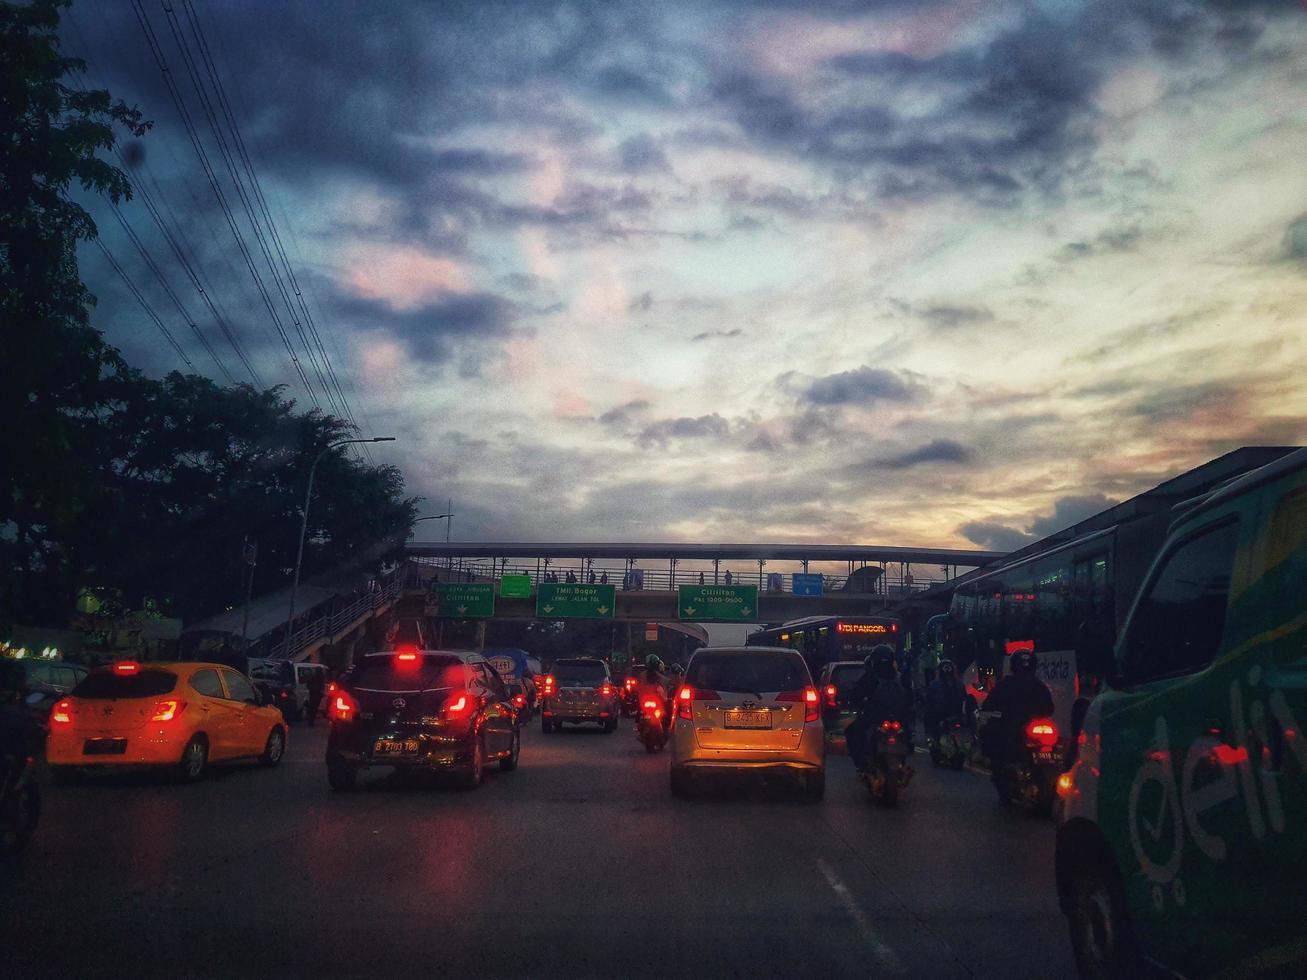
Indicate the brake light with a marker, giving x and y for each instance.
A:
(606, 691)
(1043, 732)
(519, 700)
(62, 713)
(407, 658)
(168, 710)
(831, 692)
(331, 687)
(891, 725)
(126, 667)
(548, 680)
(630, 683)
(1064, 784)
(686, 697)
(810, 698)
(459, 705)
(650, 704)
(283, 695)
(344, 707)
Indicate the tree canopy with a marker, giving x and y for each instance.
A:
(109, 479)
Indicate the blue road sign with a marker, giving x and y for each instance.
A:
(807, 584)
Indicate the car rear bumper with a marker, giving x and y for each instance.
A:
(436, 753)
(796, 765)
(580, 712)
(141, 749)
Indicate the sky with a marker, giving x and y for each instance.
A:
(945, 274)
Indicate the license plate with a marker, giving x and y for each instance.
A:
(104, 746)
(1054, 756)
(748, 719)
(387, 746)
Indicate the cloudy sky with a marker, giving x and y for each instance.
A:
(901, 272)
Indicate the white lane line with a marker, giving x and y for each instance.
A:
(887, 957)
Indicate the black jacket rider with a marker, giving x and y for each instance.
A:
(1020, 697)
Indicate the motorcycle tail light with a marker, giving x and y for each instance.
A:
(650, 705)
(831, 692)
(891, 725)
(1042, 732)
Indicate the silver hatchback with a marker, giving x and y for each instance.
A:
(748, 709)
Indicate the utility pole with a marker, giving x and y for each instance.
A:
(250, 554)
(304, 526)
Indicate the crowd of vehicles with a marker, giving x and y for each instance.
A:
(1182, 788)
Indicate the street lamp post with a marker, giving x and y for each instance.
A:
(304, 526)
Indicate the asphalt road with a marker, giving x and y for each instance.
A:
(579, 864)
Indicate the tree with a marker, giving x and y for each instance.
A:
(57, 374)
(197, 468)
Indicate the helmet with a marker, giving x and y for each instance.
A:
(1024, 662)
(882, 662)
(947, 668)
(653, 662)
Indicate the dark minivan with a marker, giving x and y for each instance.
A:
(433, 710)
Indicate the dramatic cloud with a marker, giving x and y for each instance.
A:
(863, 386)
(935, 451)
(713, 270)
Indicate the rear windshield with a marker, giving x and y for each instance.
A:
(845, 677)
(752, 673)
(264, 671)
(577, 673)
(385, 672)
(111, 684)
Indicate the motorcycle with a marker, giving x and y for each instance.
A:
(630, 697)
(1029, 779)
(890, 773)
(20, 800)
(951, 745)
(650, 729)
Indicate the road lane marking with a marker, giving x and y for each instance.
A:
(888, 959)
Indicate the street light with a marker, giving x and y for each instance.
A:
(304, 525)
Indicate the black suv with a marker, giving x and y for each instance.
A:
(433, 710)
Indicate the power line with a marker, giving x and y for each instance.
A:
(157, 51)
(224, 150)
(167, 288)
(206, 57)
(146, 306)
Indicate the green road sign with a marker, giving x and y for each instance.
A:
(515, 586)
(567, 600)
(718, 603)
(466, 600)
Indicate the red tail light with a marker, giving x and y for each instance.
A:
(686, 697)
(168, 709)
(1043, 732)
(606, 691)
(831, 692)
(811, 702)
(126, 667)
(331, 687)
(631, 682)
(650, 705)
(344, 707)
(407, 658)
(283, 695)
(549, 682)
(891, 725)
(519, 700)
(62, 713)
(459, 705)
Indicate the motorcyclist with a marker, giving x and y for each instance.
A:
(1018, 698)
(652, 683)
(946, 698)
(877, 696)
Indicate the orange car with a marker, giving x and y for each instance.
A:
(182, 716)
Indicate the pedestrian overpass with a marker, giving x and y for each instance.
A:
(647, 582)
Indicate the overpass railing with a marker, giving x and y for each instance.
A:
(421, 572)
(331, 622)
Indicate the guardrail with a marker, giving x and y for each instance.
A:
(332, 622)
